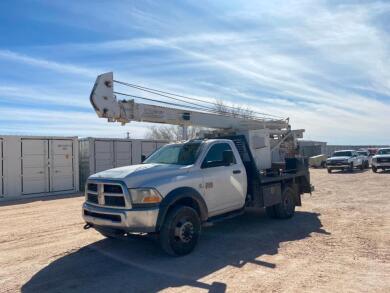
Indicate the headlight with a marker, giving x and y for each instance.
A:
(144, 196)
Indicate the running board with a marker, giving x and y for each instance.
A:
(223, 217)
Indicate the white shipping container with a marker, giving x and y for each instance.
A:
(36, 165)
(99, 154)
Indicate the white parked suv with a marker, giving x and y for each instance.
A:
(381, 160)
(344, 160)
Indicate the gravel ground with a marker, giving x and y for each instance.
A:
(338, 241)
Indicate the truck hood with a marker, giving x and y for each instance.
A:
(338, 158)
(135, 175)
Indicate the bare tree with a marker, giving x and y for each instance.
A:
(235, 110)
(172, 132)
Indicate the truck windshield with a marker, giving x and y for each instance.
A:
(176, 154)
(384, 152)
(342, 154)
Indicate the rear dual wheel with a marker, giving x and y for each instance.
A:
(286, 208)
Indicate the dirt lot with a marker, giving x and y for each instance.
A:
(338, 241)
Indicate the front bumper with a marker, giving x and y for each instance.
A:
(381, 165)
(128, 220)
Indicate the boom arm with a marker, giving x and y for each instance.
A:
(107, 106)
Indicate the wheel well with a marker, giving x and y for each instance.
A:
(182, 197)
(187, 201)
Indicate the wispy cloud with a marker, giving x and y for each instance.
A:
(46, 64)
(324, 64)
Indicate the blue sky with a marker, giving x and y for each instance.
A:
(324, 64)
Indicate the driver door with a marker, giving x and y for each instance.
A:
(224, 186)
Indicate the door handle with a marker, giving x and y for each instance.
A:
(236, 171)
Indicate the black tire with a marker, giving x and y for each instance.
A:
(180, 231)
(323, 164)
(362, 166)
(374, 169)
(329, 170)
(286, 208)
(271, 213)
(367, 165)
(350, 169)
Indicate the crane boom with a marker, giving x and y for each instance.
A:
(106, 105)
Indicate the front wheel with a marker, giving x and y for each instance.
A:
(374, 169)
(180, 232)
(350, 169)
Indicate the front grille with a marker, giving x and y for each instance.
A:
(110, 195)
(110, 188)
(92, 187)
(114, 218)
(115, 201)
(336, 163)
(383, 160)
(92, 198)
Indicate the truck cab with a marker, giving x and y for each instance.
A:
(181, 186)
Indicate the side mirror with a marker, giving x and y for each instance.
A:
(143, 157)
(228, 158)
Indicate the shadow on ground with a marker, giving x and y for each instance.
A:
(9, 202)
(133, 265)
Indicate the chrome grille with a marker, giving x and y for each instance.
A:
(383, 160)
(106, 194)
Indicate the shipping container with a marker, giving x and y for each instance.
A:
(37, 165)
(99, 154)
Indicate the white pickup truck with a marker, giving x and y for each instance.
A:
(381, 160)
(344, 160)
(182, 186)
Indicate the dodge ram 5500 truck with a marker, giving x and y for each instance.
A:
(182, 186)
(344, 160)
(243, 160)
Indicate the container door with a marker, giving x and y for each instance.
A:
(104, 155)
(1, 169)
(35, 171)
(61, 165)
(147, 147)
(122, 153)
